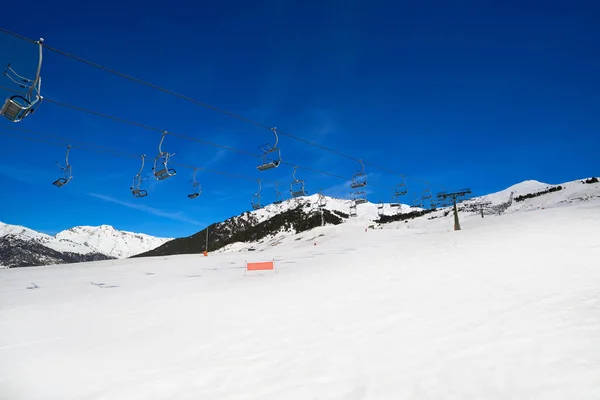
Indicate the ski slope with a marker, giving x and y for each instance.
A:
(507, 308)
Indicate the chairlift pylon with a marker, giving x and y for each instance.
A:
(17, 107)
(161, 168)
(135, 188)
(359, 179)
(267, 161)
(278, 196)
(66, 170)
(196, 190)
(256, 197)
(380, 209)
(297, 186)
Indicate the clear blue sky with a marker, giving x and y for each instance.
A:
(473, 94)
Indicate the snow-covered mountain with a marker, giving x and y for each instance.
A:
(280, 223)
(107, 240)
(21, 246)
(274, 224)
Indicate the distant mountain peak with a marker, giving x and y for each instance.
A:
(93, 241)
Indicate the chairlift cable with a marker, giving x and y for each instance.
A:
(203, 104)
(76, 144)
(214, 171)
(120, 154)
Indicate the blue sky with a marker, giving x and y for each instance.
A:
(473, 94)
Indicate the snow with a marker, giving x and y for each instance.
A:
(89, 239)
(571, 192)
(107, 240)
(506, 308)
(366, 211)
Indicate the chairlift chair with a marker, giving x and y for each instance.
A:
(380, 210)
(353, 212)
(196, 190)
(256, 198)
(427, 195)
(400, 190)
(322, 201)
(17, 107)
(278, 196)
(268, 161)
(66, 170)
(161, 168)
(359, 179)
(360, 197)
(135, 188)
(297, 186)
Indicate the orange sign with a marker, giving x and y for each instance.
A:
(260, 266)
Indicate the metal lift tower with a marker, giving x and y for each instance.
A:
(454, 196)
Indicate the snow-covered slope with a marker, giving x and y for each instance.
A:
(85, 240)
(507, 308)
(571, 192)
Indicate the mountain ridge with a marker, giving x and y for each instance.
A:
(251, 230)
(22, 246)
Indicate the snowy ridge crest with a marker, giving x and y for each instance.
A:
(104, 240)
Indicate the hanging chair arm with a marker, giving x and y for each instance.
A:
(276, 137)
(162, 138)
(67, 156)
(143, 157)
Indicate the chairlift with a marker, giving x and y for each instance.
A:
(161, 169)
(359, 179)
(297, 186)
(137, 182)
(278, 196)
(418, 202)
(380, 210)
(256, 197)
(360, 197)
(322, 201)
(66, 170)
(196, 190)
(353, 212)
(268, 161)
(17, 107)
(399, 191)
(427, 195)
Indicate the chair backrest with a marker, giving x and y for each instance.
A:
(13, 110)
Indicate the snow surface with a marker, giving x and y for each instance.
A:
(89, 239)
(507, 308)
